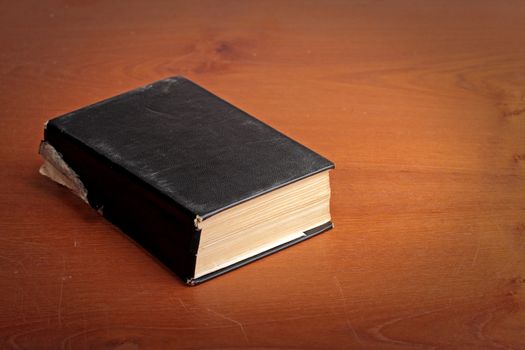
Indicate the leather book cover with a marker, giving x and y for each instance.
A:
(157, 158)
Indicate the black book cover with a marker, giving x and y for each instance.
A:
(157, 158)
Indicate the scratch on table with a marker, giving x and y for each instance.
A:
(183, 304)
(476, 253)
(338, 284)
(486, 317)
(180, 302)
(14, 262)
(232, 320)
(61, 294)
(511, 261)
(354, 333)
(19, 300)
(60, 302)
(66, 342)
(12, 340)
(378, 334)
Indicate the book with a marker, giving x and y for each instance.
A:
(200, 184)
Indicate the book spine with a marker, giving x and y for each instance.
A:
(162, 227)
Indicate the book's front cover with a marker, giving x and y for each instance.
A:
(190, 145)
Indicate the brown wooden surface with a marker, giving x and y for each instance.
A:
(420, 104)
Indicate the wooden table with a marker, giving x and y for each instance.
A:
(421, 105)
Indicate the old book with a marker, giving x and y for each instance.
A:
(200, 184)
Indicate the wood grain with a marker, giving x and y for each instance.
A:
(420, 104)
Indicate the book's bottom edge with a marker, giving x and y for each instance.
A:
(307, 234)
